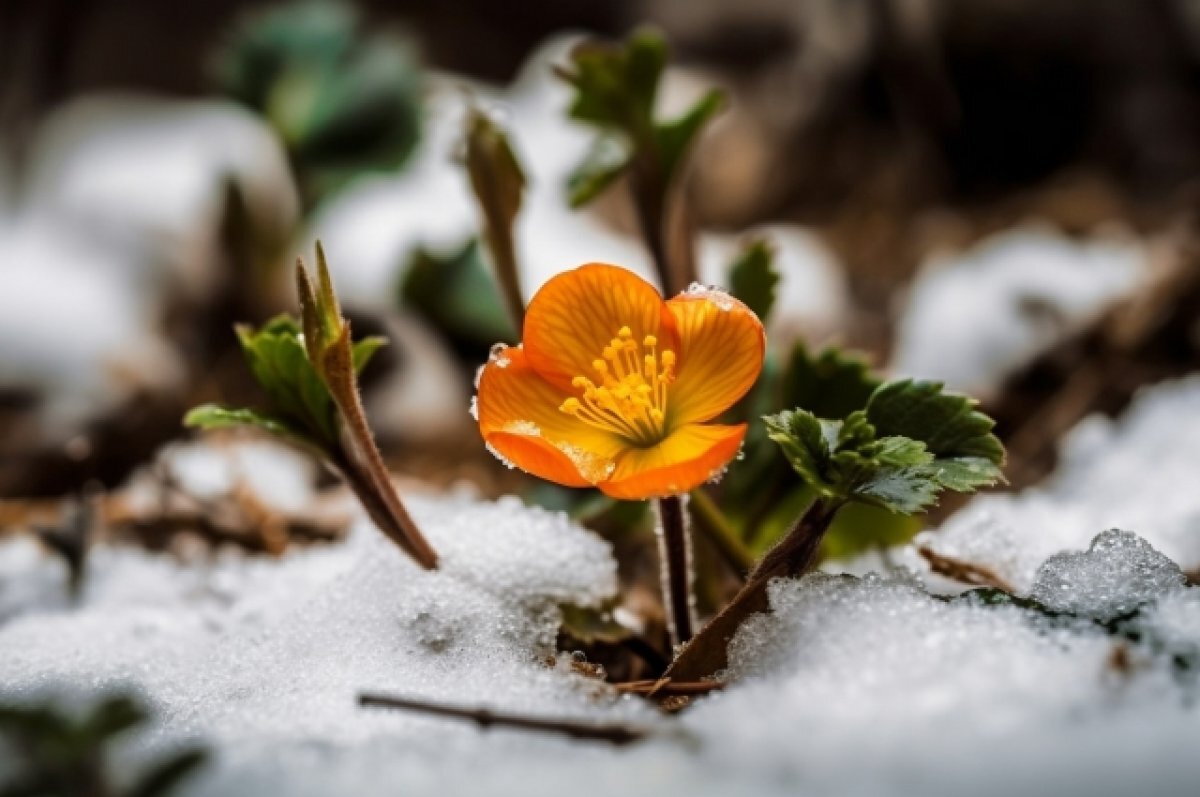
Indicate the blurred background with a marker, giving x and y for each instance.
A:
(1000, 194)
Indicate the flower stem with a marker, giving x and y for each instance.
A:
(794, 555)
(675, 557)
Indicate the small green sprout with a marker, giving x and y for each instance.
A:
(308, 370)
(616, 88)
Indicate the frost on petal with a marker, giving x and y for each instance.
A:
(592, 466)
(498, 356)
(719, 297)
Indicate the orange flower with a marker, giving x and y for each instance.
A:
(613, 386)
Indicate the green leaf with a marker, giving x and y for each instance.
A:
(280, 363)
(211, 416)
(805, 441)
(591, 625)
(363, 350)
(616, 86)
(345, 99)
(960, 437)
(868, 457)
(112, 716)
(831, 384)
(752, 277)
(457, 295)
(605, 162)
(675, 138)
(616, 83)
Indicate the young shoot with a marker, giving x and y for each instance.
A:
(616, 87)
(309, 372)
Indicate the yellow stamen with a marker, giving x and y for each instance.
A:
(632, 400)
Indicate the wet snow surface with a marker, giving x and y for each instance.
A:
(851, 686)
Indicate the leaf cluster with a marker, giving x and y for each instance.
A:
(306, 369)
(910, 442)
(616, 88)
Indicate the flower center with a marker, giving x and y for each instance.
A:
(631, 398)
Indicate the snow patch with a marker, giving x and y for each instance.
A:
(1117, 574)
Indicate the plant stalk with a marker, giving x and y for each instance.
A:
(674, 552)
(365, 472)
(504, 260)
(794, 555)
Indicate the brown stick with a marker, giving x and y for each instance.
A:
(795, 554)
(965, 572)
(485, 718)
(675, 561)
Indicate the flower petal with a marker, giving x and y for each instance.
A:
(689, 457)
(722, 344)
(575, 314)
(520, 420)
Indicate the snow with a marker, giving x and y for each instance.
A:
(120, 211)
(1137, 473)
(1118, 573)
(869, 686)
(973, 318)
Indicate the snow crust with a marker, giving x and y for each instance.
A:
(870, 686)
(1117, 574)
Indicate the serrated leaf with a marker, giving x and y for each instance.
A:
(967, 454)
(753, 278)
(606, 161)
(904, 489)
(867, 457)
(805, 441)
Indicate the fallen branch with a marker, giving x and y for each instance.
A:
(485, 718)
